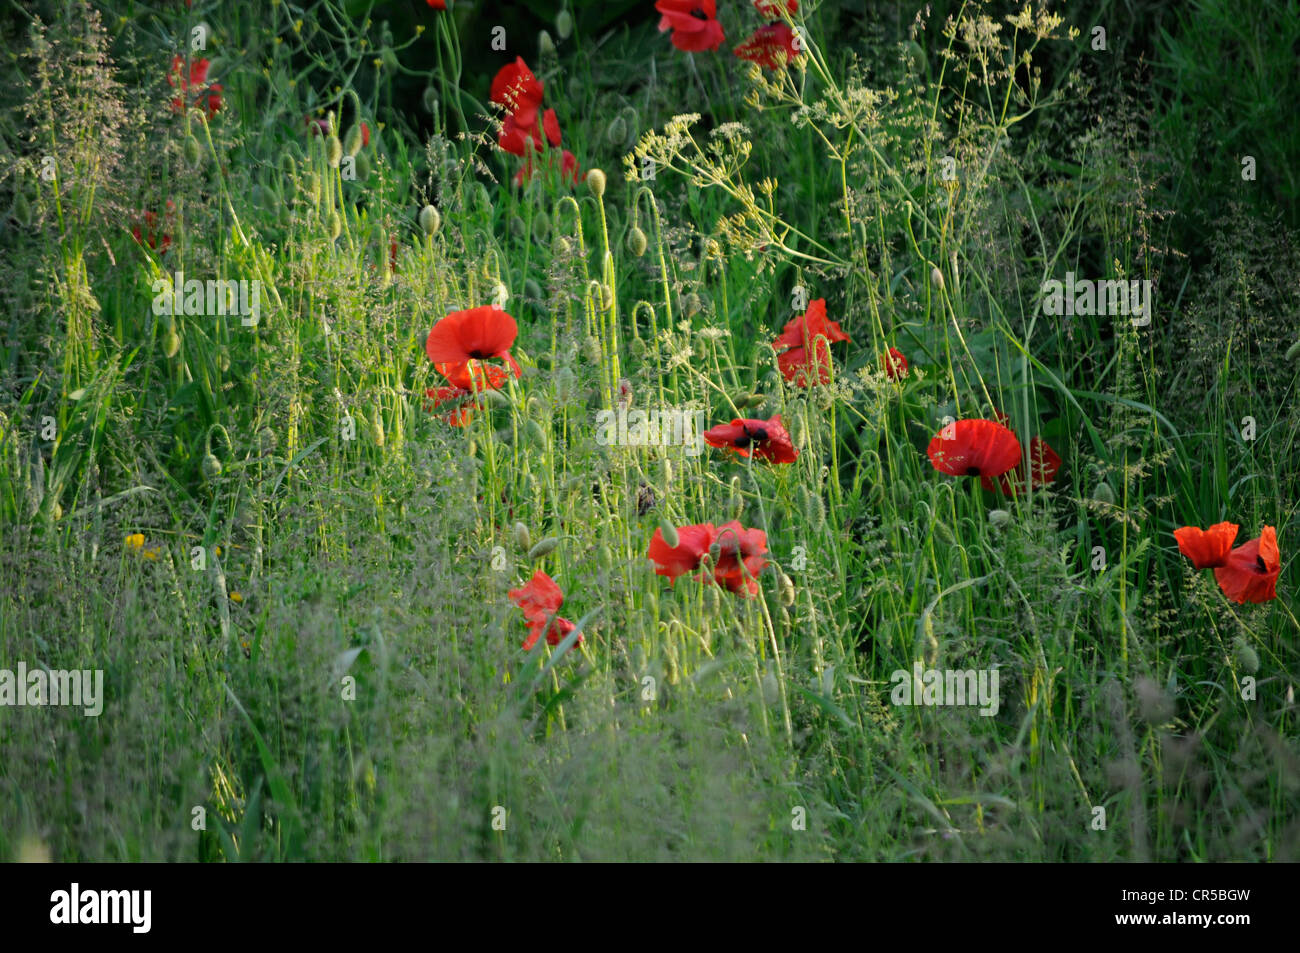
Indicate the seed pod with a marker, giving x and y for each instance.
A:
(544, 548)
(352, 142)
(596, 182)
(1245, 655)
(669, 532)
(1103, 493)
(336, 226)
(636, 241)
(563, 24)
(430, 220)
(333, 151)
(211, 467)
(523, 540)
(171, 343)
(192, 154)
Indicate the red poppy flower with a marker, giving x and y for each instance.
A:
(740, 557)
(763, 439)
(365, 135)
(772, 8)
(568, 169)
(974, 448)
(209, 98)
(808, 360)
(146, 230)
(895, 364)
(477, 334)
(694, 24)
(516, 88)
(1044, 463)
(693, 544)
(771, 47)
(318, 127)
(514, 137)
(438, 4)
(541, 598)
(1251, 570)
(1206, 548)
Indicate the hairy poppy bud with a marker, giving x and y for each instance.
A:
(691, 305)
(523, 540)
(1245, 655)
(563, 24)
(936, 278)
(362, 167)
(999, 518)
(336, 226)
(191, 150)
(541, 226)
(669, 532)
(785, 589)
(211, 467)
(596, 182)
(430, 220)
(1293, 351)
(536, 434)
(591, 348)
(544, 548)
(517, 226)
(636, 241)
(533, 290)
(1103, 493)
(377, 428)
(352, 144)
(637, 347)
(171, 343)
(545, 45)
(616, 131)
(333, 151)
(22, 210)
(430, 99)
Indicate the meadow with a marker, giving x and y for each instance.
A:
(634, 431)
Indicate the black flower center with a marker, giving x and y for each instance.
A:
(1260, 567)
(699, 13)
(972, 471)
(479, 355)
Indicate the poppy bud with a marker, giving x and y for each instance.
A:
(523, 540)
(352, 144)
(544, 548)
(999, 518)
(171, 343)
(945, 533)
(736, 502)
(591, 348)
(785, 589)
(564, 245)
(211, 467)
(545, 45)
(57, 512)
(541, 226)
(563, 24)
(430, 220)
(669, 532)
(377, 428)
(637, 347)
(314, 189)
(715, 553)
(811, 504)
(936, 278)
(636, 241)
(771, 689)
(606, 297)
(336, 226)
(430, 99)
(1245, 655)
(362, 167)
(333, 151)
(533, 290)
(536, 434)
(517, 226)
(494, 397)
(691, 305)
(223, 360)
(1103, 493)
(596, 182)
(1293, 351)
(668, 471)
(616, 131)
(191, 150)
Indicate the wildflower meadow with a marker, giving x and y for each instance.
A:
(649, 430)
